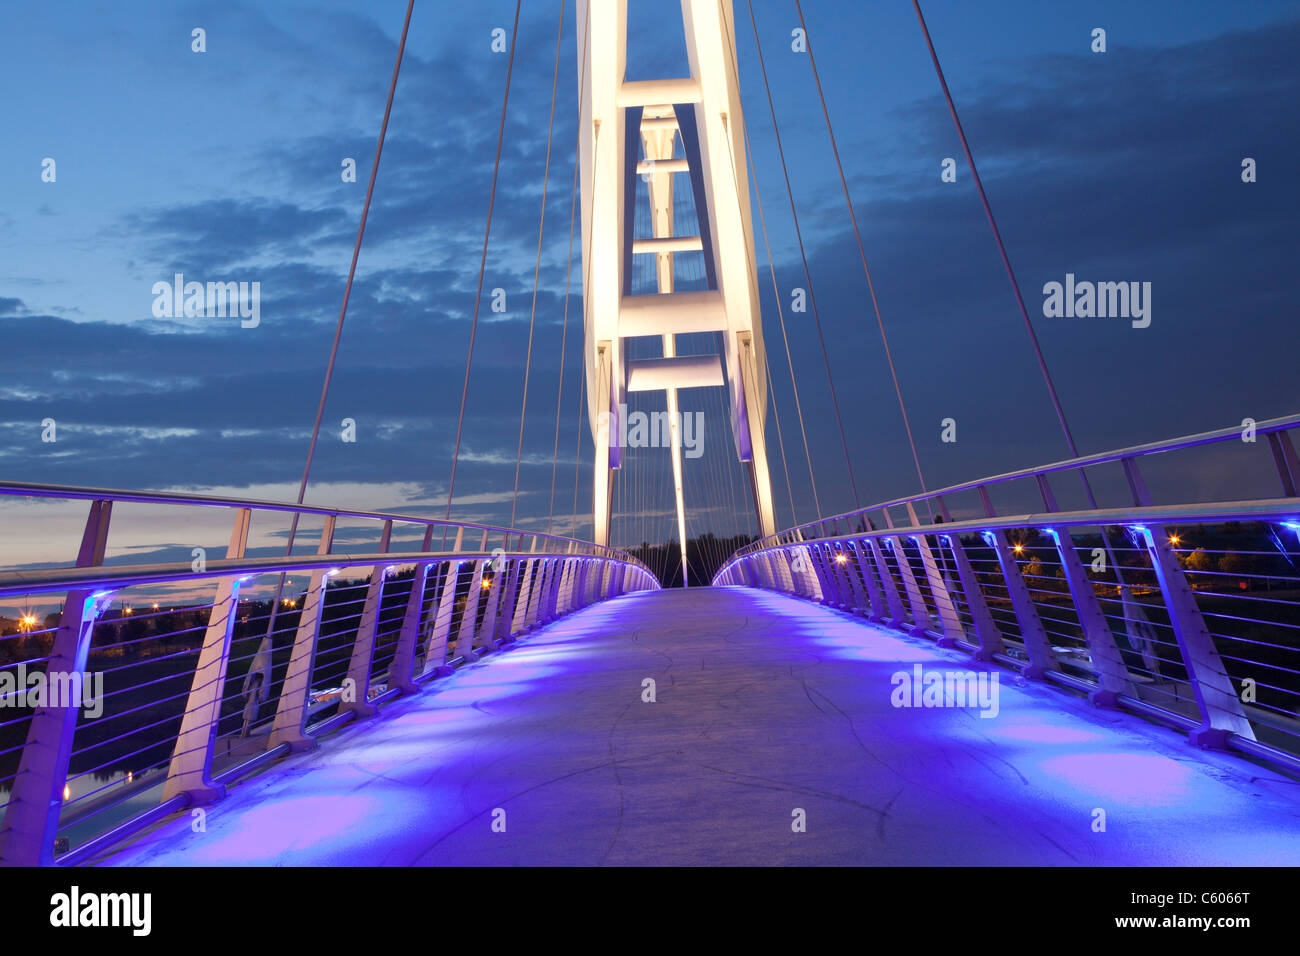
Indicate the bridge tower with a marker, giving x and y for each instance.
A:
(628, 135)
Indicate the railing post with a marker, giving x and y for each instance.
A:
(1288, 465)
(796, 565)
(31, 822)
(785, 571)
(584, 591)
(546, 613)
(827, 585)
(1037, 647)
(363, 645)
(986, 629)
(875, 609)
(542, 593)
(537, 592)
(466, 646)
(551, 604)
(519, 616)
(506, 610)
(190, 771)
(576, 584)
(850, 592)
(291, 712)
(435, 653)
(488, 632)
(746, 573)
(791, 579)
(559, 598)
(897, 615)
(809, 582)
(832, 587)
(1220, 707)
(949, 622)
(1112, 673)
(485, 634)
(401, 670)
(921, 621)
(566, 589)
(849, 570)
(854, 596)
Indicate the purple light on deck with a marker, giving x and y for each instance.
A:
(753, 688)
(1042, 731)
(1133, 779)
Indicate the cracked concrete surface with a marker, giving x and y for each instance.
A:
(765, 706)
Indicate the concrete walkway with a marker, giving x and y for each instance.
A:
(767, 710)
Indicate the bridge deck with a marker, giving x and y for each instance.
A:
(764, 705)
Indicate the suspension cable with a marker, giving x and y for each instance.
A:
(343, 309)
(564, 341)
(577, 459)
(776, 294)
(997, 236)
(568, 276)
(537, 270)
(776, 129)
(780, 442)
(889, 355)
(478, 296)
(1020, 300)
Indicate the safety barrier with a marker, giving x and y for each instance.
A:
(1186, 613)
(150, 687)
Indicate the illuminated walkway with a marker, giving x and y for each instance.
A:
(764, 705)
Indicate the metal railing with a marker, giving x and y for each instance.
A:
(1186, 613)
(111, 718)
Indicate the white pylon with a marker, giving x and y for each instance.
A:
(618, 119)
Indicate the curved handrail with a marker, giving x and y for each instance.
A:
(17, 489)
(1269, 427)
(59, 580)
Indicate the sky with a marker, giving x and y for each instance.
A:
(225, 165)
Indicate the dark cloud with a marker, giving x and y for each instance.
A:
(1126, 172)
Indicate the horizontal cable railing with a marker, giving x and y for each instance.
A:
(1188, 613)
(146, 687)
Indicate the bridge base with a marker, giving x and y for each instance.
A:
(1209, 738)
(1107, 699)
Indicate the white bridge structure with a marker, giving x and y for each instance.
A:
(629, 135)
(384, 691)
